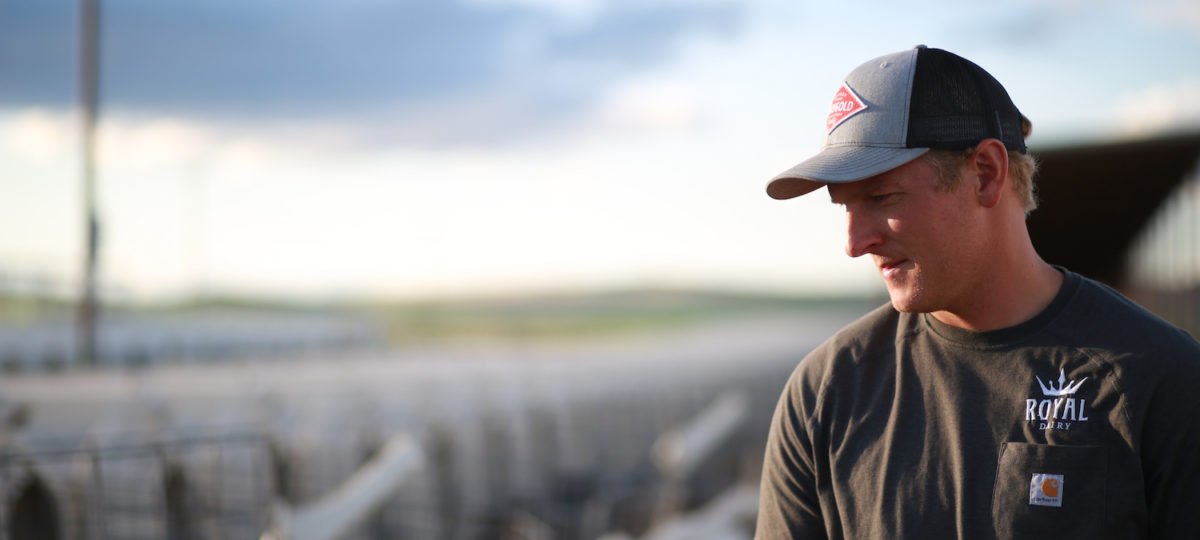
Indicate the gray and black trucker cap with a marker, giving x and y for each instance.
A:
(894, 108)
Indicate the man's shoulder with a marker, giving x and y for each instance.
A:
(879, 322)
(878, 328)
(1103, 317)
(839, 360)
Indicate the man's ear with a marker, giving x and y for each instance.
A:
(989, 164)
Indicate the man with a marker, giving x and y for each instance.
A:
(996, 396)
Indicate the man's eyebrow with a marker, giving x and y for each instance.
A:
(868, 186)
(887, 183)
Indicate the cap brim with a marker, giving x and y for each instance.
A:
(839, 165)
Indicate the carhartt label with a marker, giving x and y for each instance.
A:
(1058, 408)
(1046, 490)
(845, 104)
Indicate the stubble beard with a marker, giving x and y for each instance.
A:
(909, 296)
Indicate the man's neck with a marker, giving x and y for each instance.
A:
(1018, 295)
(1011, 288)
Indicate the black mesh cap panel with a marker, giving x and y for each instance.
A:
(955, 104)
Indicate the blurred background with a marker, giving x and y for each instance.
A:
(488, 268)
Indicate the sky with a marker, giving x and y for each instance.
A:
(434, 148)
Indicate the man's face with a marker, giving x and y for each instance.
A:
(927, 243)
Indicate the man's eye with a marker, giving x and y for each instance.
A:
(881, 197)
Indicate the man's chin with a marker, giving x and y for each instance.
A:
(905, 304)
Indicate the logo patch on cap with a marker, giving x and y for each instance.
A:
(845, 104)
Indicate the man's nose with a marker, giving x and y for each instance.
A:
(862, 234)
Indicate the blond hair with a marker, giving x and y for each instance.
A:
(1021, 168)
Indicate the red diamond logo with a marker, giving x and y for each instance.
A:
(845, 104)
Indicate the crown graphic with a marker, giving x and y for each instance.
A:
(1064, 388)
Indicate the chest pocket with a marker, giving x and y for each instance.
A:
(1050, 491)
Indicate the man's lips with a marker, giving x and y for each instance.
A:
(889, 267)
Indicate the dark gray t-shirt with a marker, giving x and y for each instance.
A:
(1083, 422)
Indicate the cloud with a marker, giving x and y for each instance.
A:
(1174, 14)
(360, 61)
(39, 135)
(650, 105)
(1161, 108)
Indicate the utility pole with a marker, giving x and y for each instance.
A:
(89, 78)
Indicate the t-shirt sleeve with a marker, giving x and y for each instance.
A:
(788, 503)
(1171, 448)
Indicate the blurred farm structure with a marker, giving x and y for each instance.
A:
(1126, 213)
(580, 438)
(47, 340)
